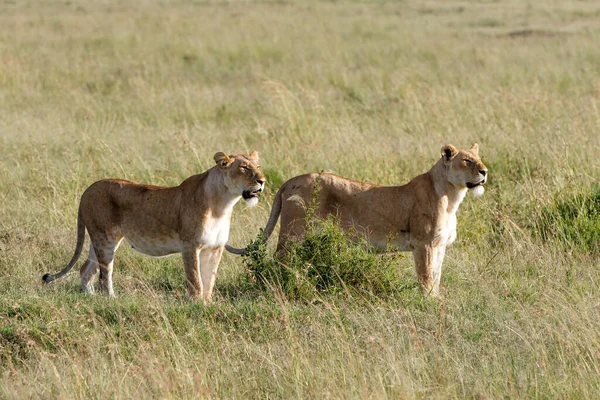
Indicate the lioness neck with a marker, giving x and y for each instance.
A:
(445, 189)
(216, 195)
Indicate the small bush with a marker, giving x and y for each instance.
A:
(328, 260)
(574, 221)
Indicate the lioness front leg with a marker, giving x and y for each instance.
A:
(424, 257)
(440, 252)
(87, 272)
(209, 263)
(192, 272)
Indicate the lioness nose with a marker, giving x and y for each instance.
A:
(260, 181)
(483, 172)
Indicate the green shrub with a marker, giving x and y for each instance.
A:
(574, 221)
(327, 261)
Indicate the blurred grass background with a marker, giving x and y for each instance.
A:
(150, 90)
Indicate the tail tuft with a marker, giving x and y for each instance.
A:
(46, 278)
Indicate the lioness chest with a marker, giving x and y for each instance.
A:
(446, 231)
(215, 231)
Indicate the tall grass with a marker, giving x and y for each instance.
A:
(150, 90)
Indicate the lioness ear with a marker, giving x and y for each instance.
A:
(449, 152)
(475, 148)
(222, 159)
(254, 156)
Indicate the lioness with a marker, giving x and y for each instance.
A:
(192, 218)
(419, 217)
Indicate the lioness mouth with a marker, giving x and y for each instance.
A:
(472, 185)
(247, 194)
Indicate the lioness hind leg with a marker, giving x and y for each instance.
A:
(209, 264)
(285, 245)
(282, 248)
(105, 252)
(289, 232)
(87, 272)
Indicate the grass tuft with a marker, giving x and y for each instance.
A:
(14, 348)
(327, 261)
(574, 221)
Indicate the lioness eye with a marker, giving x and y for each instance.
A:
(467, 161)
(243, 168)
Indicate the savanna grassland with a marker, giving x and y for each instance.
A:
(150, 90)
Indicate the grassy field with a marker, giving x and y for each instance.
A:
(150, 90)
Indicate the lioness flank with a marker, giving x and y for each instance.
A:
(419, 217)
(192, 218)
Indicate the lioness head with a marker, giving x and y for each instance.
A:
(465, 168)
(242, 175)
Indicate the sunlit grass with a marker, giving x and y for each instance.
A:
(150, 90)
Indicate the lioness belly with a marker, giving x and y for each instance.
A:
(398, 242)
(155, 246)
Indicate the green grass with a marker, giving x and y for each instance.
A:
(574, 221)
(149, 91)
(327, 261)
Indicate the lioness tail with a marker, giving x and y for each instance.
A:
(47, 278)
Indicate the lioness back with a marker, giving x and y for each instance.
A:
(143, 212)
(351, 203)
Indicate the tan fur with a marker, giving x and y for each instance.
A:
(419, 217)
(192, 218)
